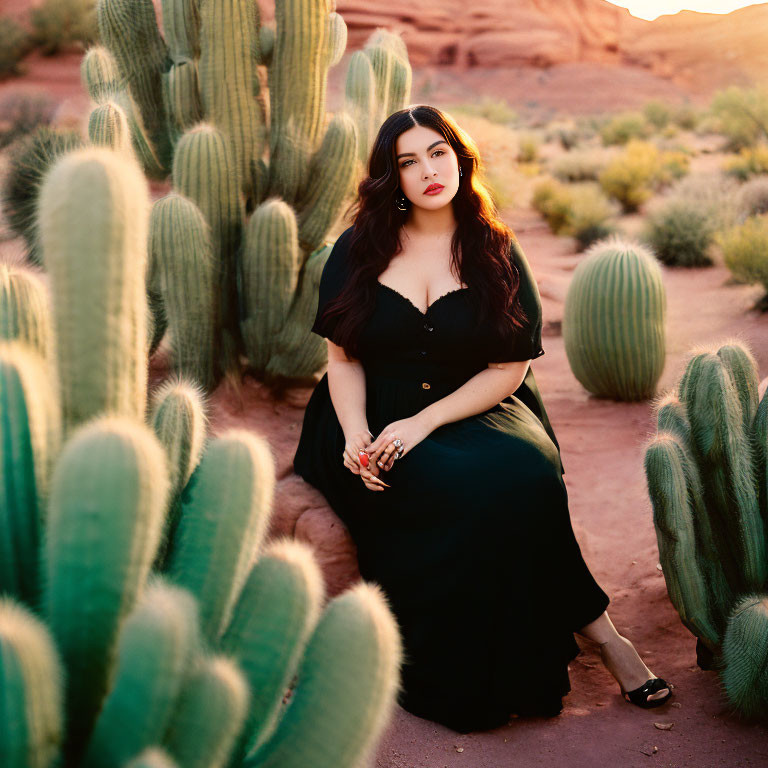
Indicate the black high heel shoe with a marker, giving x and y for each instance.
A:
(639, 696)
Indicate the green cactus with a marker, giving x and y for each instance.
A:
(181, 92)
(179, 419)
(196, 103)
(271, 268)
(30, 436)
(128, 29)
(723, 451)
(156, 646)
(292, 350)
(671, 417)
(706, 475)
(108, 127)
(97, 274)
(209, 714)
(181, 27)
(205, 171)
(185, 277)
(122, 636)
(108, 495)
(229, 32)
(352, 659)
(212, 553)
(32, 725)
(275, 614)
(24, 308)
(329, 181)
(745, 656)
(613, 322)
(673, 487)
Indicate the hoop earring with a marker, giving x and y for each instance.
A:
(400, 203)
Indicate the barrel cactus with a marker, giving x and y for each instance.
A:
(126, 640)
(705, 470)
(613, 321)
(234, 112)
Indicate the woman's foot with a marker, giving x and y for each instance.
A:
(623, 662)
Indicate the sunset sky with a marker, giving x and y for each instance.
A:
(650, 9)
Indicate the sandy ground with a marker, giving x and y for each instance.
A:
(602, 446)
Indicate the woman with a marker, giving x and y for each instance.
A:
(429, 439)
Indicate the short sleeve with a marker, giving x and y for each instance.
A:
(332, 280)
(522, 343)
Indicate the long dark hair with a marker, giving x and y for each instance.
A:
(486, 266)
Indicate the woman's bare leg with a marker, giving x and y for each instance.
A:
(619, 655)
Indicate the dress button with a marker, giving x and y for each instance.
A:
(425, 385)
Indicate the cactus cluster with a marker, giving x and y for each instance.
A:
(144, 618)
(613, 321)
(233, 111)
(706, 475)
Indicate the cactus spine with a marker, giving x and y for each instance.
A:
(613, 322)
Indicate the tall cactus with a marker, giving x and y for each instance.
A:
(706, 480)
(94, 211)
(196, 104)
(613, 321)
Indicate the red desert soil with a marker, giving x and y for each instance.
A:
(602, 446)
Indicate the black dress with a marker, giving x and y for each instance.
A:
(472, 543)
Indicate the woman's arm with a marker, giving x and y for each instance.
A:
(346, 383)
(484, 390)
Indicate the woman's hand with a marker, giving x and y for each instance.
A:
(355, 443)
(411, 431)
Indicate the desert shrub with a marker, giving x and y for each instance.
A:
(527, 148)
(674, 165)
(552, 200)
(686, 116)
(749, 162)
(712, 192)
(631, 176)
(590, 214)
(657, 113)
(745, 250)
(680, 233)
(624, 127)
(566, 132)
(741, 115)
(753, 197)
(22, 112)
(58, 24)
(14, 46)
(670, 131)
(580, 165)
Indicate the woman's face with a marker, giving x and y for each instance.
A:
(424, 157)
